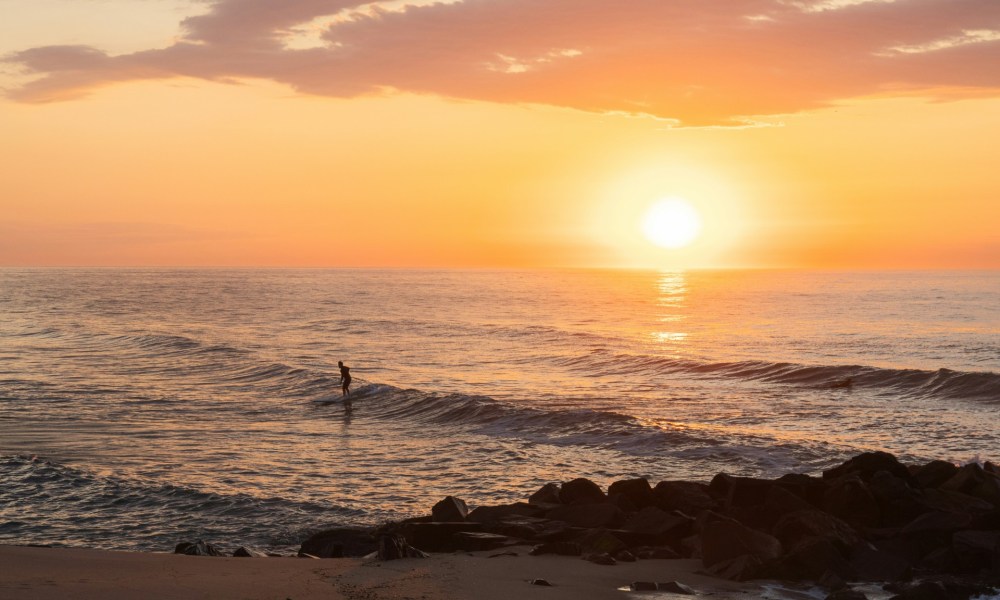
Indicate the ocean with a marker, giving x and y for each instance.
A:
(144, 407)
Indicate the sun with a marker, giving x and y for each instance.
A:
(671, 223)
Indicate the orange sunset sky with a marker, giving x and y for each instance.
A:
(499, 133)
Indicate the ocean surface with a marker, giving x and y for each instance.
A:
(141, 408)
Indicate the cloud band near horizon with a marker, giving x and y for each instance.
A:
(698, 63)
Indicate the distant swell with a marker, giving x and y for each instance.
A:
(942, 383)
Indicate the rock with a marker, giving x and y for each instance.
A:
(600, 541)
(850, 499)
(339, 542)
(813, 558)
(474, 541)
(558, 548)
(957, 502)
(976, 481)
(436, 537)
(811, 489)
(871, 564)
(977, 550)
(831, 581)
(795, 527)
(937, 522)
(625, 556)
(655, 523)
(898, 502)
(778, 502)
(934, 473)
(739, 491)
(601, 558)
(492, 514)
(725, 540)
(394, 547)
(590, 516)
(867, 464)
(638, 491)
(581, 491)
(525, 528)
(741, 568)
(688, 497)
(643, 586)
(198, 548)
(548, 494)
(449, 510)
(244, 552)
(675, 587)
(306, 555)
(540, 582)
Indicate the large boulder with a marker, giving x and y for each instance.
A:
(974, 480)
(795, 527)
(339, 542)
(590, 516)
(600, 541)
(898, 502)
(934, 473)
(871, 564)
(449, 510)
(436, 537)
(686, 496)
(493, 514)
(547, 494)
(867, 464)
(849, 499)
(474, 541)
(778, 502)
(724, 540)
(657, 524)
(581, 491)
(736, 491)
(638, 491)
(978, 550)
(813, 558)
(245, 552)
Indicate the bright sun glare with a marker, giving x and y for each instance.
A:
(671, 223)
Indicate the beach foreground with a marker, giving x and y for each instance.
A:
(31, 573)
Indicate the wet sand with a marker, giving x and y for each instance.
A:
(31, 573)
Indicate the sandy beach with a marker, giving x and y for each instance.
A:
(31, 573)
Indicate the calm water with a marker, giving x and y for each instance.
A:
(139, 408)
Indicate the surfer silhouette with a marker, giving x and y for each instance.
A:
(345, 377)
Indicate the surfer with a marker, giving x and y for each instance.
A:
(345, 377)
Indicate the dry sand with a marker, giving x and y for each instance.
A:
(28, 573)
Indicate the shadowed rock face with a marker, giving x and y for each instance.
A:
(870, 519)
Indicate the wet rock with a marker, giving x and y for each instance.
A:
(643, 586)
(395, 547)
(795, 527)
(831, 581)
(811, 489)
(934, 473)
(778, 502)
(867, 464)
(339, 542)
(898, 502)
(436, 537)
(548, 494)
(590, 516)
(198, 548)
(540, 582)
(581, 491)
(525, 528)
(675, 587)
(601, 558)
(978, 550)
(558, 548)
(244, 552)
(449, 510)
(937, 522)
(925, 590)
(813, 558)
(850, 500)
(638, 491)
(725, 540)
(688, 497)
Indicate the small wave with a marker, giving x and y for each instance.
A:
(49, 503)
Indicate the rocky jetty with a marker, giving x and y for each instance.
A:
(871, 519)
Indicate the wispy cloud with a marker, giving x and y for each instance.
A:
(699, 62)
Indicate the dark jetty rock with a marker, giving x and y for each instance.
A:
(244, 552)
(871, 519)
(198, 548)
(394, 547)
(339, 543)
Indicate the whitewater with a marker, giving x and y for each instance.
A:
(143, 407)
